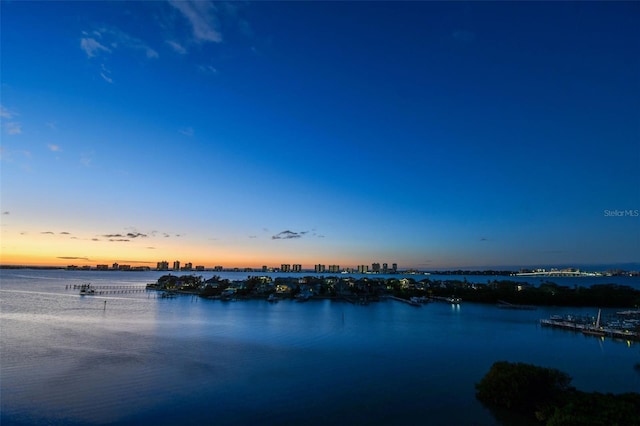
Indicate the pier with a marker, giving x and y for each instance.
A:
(506, 305)
(407, 301)
(453, 300)
(88, 289)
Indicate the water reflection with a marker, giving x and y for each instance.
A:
(194, 360)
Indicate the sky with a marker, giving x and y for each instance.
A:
(434, 135)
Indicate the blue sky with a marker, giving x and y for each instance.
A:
(432, 135)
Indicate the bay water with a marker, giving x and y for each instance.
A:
(135, 358)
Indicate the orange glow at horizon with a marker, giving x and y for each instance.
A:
(45, 261)
(58, 250)
(46, 257)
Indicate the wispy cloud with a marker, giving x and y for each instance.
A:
(10, 127)
(106, 74)
(86, 159)
(187, 131)
(105, 41)
(119, 38)
(5, 213)
(6, 113)
(207, 69)
(128, 235)
(54, 148)
(177, 47)
(287, 235)
(202, 18)
(73, 258)
(92, 47)
(13, 128)
(48, 232)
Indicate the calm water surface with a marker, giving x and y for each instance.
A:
(67, 359)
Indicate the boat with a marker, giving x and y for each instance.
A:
(595, 331)
(454, 300)
(87, 290)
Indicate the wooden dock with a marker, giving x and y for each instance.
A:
(407, 301)
(506, 305)
(100, 290)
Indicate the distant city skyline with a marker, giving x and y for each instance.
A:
(372, 268)
(434, 135)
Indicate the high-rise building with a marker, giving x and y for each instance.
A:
(363, 269)
(385, 268)
(297, 268)
(394, 267)
(176, 265)
(375, 268)
(187, 266)
(163, 266)
(334, 269)
(285, 268)
(320, 269)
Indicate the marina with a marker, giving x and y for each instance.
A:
(623, 325)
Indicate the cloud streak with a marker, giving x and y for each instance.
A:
(201, 17)
(288, 235)
(10, 127)
(128, 235)
(187, 131)
(6, 113)
(106, 41)
(92, 47)
(177, 47)
(121, 39)
(13, 128)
